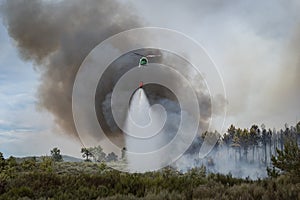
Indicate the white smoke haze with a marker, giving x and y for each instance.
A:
(254, 44)
(223, 161)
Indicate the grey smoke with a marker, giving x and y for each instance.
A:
(57, 36)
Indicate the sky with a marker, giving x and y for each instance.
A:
(255, 45)
(24, 128)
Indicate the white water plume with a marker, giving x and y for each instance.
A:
(143, 127)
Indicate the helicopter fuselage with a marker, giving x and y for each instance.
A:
(143, 61)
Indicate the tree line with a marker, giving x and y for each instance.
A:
(255, 145)
(46, 179)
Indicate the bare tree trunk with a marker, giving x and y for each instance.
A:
(265, 147)
(253, 150)
(235, 156)
(246, 154)
(270, 146)
(275, 146)
(281, 142)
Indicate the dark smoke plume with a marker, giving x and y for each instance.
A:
(57, 36)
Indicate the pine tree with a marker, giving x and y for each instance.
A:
(288, 160)
(86, 154)
(56, 156)
(2, 162)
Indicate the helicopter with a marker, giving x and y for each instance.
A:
(144, 61)
(144, 58)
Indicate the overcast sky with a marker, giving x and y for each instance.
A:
(24, 129)
(255, 44)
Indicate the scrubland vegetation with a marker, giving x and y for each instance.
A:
(49, 177)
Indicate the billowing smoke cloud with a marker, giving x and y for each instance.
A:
(155, 93)
(255, 46)
(57, 36)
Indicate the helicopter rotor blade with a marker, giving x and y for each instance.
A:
(152, 56)
(139, 54)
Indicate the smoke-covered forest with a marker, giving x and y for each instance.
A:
(275, 152)
(241, 152)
